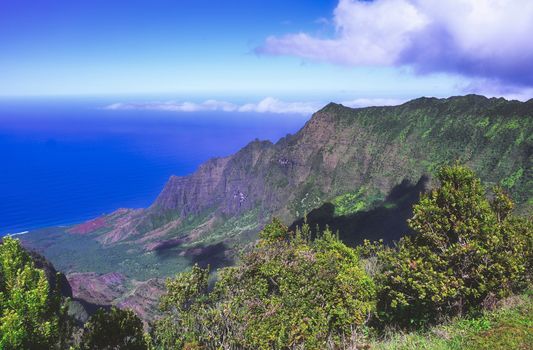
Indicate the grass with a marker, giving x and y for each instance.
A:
(510, 327)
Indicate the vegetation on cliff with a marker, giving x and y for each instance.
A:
(353, 158)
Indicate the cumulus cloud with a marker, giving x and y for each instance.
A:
(171, 106)
(366, 102)
(485, 39)
(267, 105)
(273, 105)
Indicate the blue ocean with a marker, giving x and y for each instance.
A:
(63, 161)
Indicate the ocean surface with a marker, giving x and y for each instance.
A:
(67, 161)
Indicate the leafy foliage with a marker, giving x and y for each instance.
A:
(355, 201)
(287, 291)
(113, 330)
(275, 231)
(186, 310)
(465, 250)
(31, 316)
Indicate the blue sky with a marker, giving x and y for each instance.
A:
(310, 50)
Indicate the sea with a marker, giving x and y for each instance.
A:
(64, 161)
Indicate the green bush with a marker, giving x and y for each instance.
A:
(115, 329)
(465, 250)
(286, 292)
(31, 316)
(187, 311)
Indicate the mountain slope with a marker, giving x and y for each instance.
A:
(338, 151)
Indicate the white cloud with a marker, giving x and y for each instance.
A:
(367, 102)
(267, 105)
(171, 106)
(273, 105)
(367, 33)
(489, 39)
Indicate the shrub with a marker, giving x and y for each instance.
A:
(286, 292)
(115, 329)
(465, 249)
(31, 316)
(186, 309)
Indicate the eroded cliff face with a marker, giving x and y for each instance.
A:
(183, 196)
(104, 290)
(285, 179)
(342, 149)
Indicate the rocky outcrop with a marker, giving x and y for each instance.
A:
(104, 290)
(56, 280)
(95, 288)
(80, 310)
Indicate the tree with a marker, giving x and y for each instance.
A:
(465, 249)
(115, 329)
(287, 291)
(30, 312)
(186, 310)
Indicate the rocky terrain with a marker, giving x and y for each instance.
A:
(348, 168)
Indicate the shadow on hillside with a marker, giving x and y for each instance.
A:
(214, 255)
(387, 221)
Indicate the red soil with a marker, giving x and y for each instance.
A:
(89, 226)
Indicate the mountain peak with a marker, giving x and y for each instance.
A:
(332, 105)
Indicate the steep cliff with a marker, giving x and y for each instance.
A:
(341, 150)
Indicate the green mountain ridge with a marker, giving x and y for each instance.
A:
(343, 149)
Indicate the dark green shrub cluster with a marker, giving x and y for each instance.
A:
(286, 292)
(115, 329)
(466, 250)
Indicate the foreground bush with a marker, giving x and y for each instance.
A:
(286, 292)
(31, 316)
(115, 329)
(466, 251)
